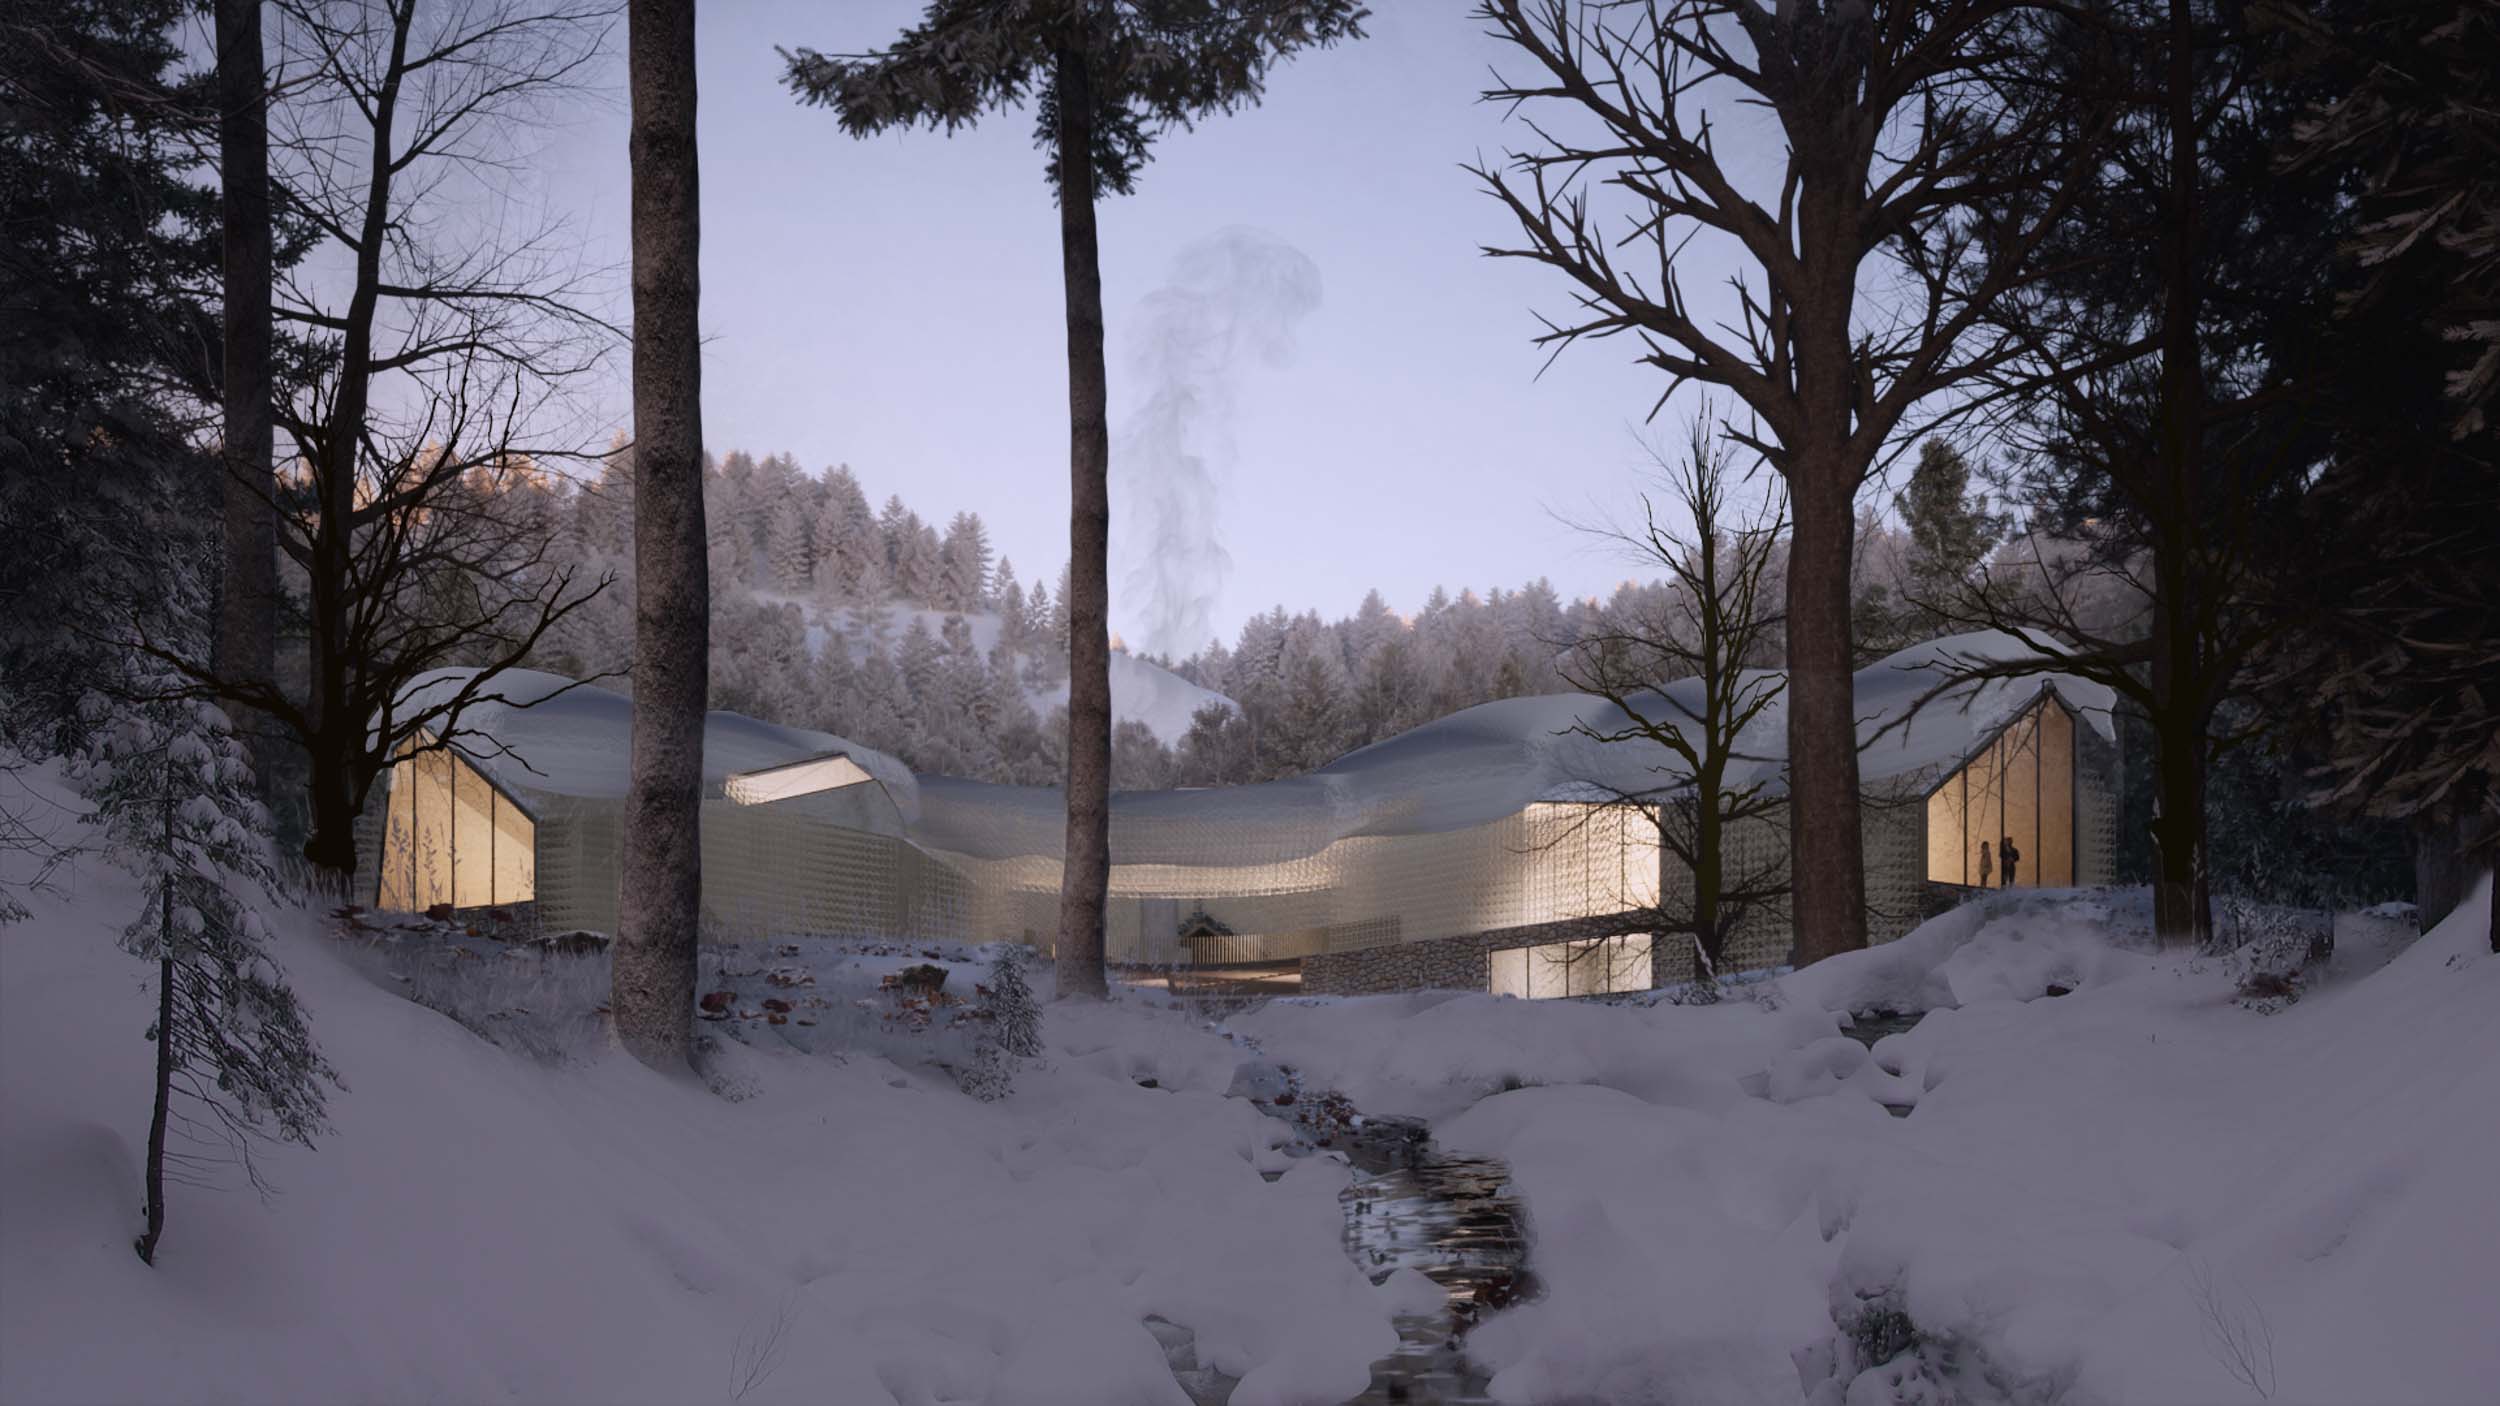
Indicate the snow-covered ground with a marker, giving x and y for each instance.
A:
(2114, 1195)
(2092, 1197)
(481, 1227)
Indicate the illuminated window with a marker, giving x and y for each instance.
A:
(451, 837)
(1593, 967)
(2019, 789)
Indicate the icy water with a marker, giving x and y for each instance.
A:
(1867, 1029)
(1449, 1218)
(1410, 1206)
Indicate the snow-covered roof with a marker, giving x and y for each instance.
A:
(543, 734)
(1470, 768)
(1493, 760)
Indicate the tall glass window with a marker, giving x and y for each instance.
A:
(2015, 796)
(450, 837)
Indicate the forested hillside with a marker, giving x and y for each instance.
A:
(955, 661)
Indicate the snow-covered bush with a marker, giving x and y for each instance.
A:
(1017, 1016)
(2273, 950)
(1011, 1029)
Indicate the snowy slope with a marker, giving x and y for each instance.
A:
(1147, 693)
(1140, 691)
(2092, 1194)
(479, 1228)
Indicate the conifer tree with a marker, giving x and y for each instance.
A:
(174, 796)
(1109, 75)
(965, 564)
(789, 545)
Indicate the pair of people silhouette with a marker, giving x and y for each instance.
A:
(2012, 857)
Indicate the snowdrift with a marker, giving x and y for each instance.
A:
(482, 1228)
(2137, 1191)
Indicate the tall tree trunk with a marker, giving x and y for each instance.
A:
(338, 740)
(1827, 866)
(330, 788)
(247, 622)
(2182, 910)
(660, 903)
(146, 1244)
(1085, 877)
(2182, 896)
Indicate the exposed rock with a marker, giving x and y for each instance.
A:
(925, 979)
(438, 913)
(717, 1002)
(776, 1005)
(576, 943)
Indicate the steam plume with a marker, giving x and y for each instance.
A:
(1229, 300)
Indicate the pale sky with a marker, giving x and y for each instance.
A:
(895, 304)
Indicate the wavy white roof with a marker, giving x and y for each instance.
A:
(541, 733)
(1467, 769)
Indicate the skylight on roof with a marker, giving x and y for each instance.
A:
(780, 783)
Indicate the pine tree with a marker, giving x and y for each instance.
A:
(175, 799)
(1107, 77)
(964, 564)
(845, 538)
(789, 546)
(1951, 533)
(1007, 598)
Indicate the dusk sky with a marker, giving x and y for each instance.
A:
(895, 304)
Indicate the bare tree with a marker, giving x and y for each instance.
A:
(440, 350)
(1707, 631)
(1110, 75)
(661, 904)
(1901, 151)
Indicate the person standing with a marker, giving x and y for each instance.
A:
(1986, 865)
(2011, 856)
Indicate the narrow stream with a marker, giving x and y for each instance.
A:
(1412, 1206)
(1449, 1217)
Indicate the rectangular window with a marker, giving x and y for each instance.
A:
(2019, 788)
(2018, 836)
(1948, 859)
(1509, 972)
(1593, 967)
(516, 854)
(431, 772)
(2057, 797)
(472, 837)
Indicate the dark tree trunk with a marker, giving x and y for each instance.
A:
(2449, 853)
(2182, 897)
(337, 741)
(247, 622)
(1827, 866)
(331, 789)
(146, 1244)
(1085, 876)
(660, 903)
(2182, 910)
